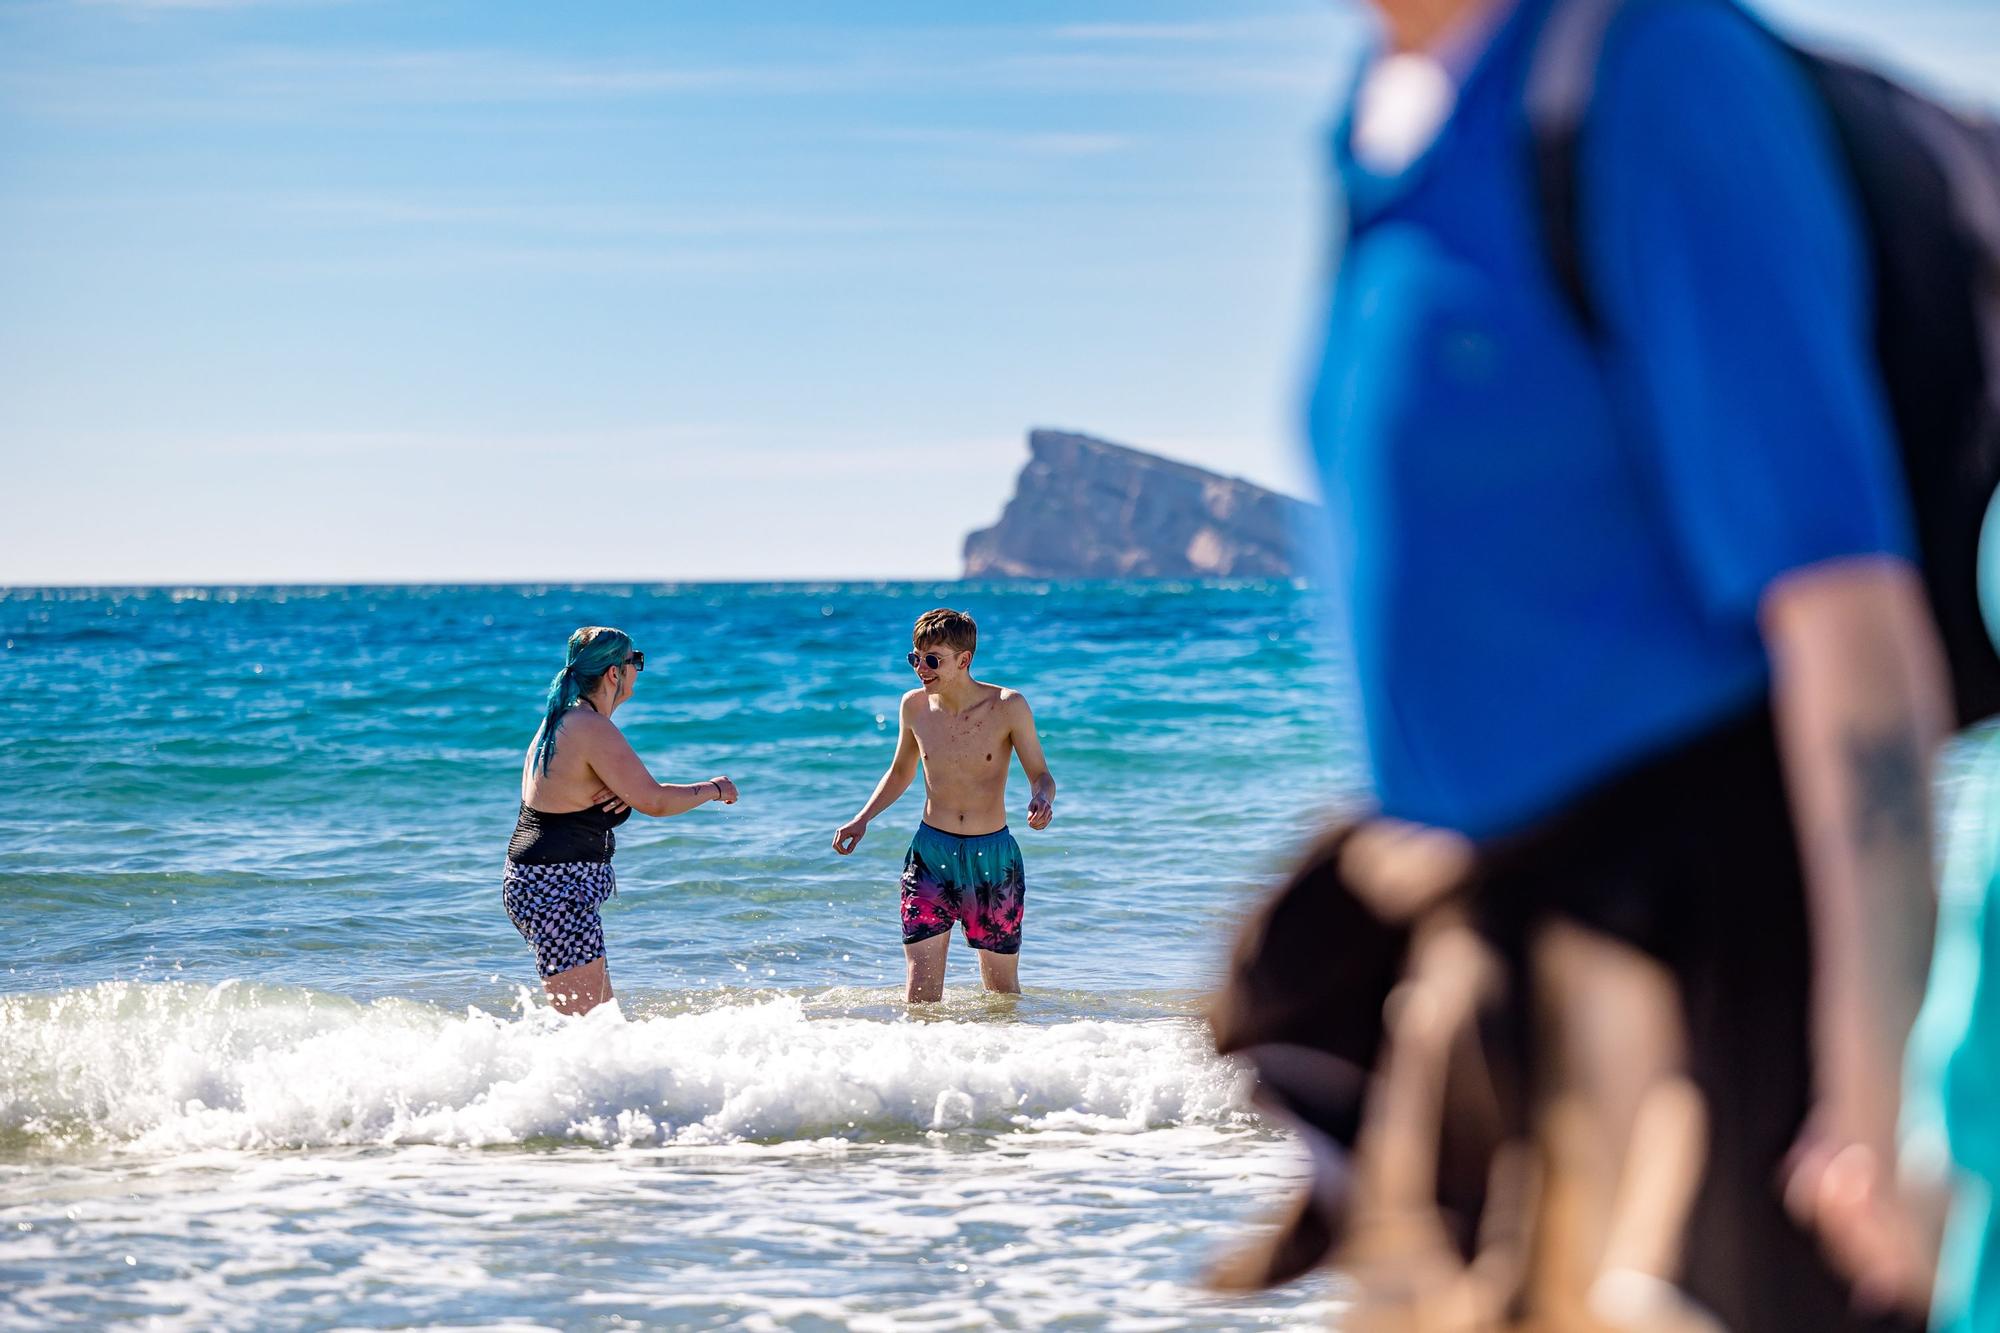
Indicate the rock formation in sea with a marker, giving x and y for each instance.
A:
(1085, 508)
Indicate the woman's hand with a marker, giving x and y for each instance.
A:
(607, 801)
(725, 790)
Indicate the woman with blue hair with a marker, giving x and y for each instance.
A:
(580, 780)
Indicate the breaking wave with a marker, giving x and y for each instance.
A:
(182, 1067)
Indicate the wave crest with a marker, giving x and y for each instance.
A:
(182, 1067)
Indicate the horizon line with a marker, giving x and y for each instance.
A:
(8, 589)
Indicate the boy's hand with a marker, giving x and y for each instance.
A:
(1041, 809)
(848, 836)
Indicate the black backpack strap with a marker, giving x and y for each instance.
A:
(1967, 151)
(1562, 80)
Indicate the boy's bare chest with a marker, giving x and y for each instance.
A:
(966, 742)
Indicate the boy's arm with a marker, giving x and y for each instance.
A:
(1042, 784)
(902, 772)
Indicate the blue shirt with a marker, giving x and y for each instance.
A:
(1552, 547)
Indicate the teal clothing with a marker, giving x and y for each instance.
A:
(975, 880)
(1954, 1063)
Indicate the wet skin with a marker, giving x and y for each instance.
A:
(962, 733)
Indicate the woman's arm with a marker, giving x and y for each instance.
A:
(618, 766)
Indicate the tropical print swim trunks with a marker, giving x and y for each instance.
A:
(978, 880)
(555, 909)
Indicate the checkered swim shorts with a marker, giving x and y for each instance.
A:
(555, 909)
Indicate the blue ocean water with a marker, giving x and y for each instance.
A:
(270, 1054)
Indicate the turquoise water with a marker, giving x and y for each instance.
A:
(269, 1050)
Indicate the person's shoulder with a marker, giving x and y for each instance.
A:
(1704, 125)
(1688, 66)
(912, 701)
(1011, 700)
(582, 722)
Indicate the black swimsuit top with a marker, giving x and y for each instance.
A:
(542, 838)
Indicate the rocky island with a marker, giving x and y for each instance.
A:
(1084, 508)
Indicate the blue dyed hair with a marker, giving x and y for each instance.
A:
(593, 650)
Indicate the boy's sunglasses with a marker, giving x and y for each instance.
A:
(930, 660)
(637, 661)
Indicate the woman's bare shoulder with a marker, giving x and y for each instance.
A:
(584, 730)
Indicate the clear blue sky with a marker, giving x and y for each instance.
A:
(495, 290)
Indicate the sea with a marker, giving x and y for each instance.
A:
(273, 1057)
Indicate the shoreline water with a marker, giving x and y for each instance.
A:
(175, 1067)
(248, 1156)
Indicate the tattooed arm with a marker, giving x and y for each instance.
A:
(1860, 697)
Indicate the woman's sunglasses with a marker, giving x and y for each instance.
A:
(637, 661)
(930, 660)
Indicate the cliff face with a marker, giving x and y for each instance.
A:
(1086, 509)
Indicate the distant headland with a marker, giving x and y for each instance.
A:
(1085, 508)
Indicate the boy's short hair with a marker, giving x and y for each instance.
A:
(945, 628)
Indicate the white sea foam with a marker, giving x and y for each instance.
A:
(1049, 1229)
(177, 1068)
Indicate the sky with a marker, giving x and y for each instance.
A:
(363, 290)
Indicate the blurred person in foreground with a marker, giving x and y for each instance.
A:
(1641, 643)
(1954, 1075)
(1954, 1061)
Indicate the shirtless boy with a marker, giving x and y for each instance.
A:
(964, 866)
